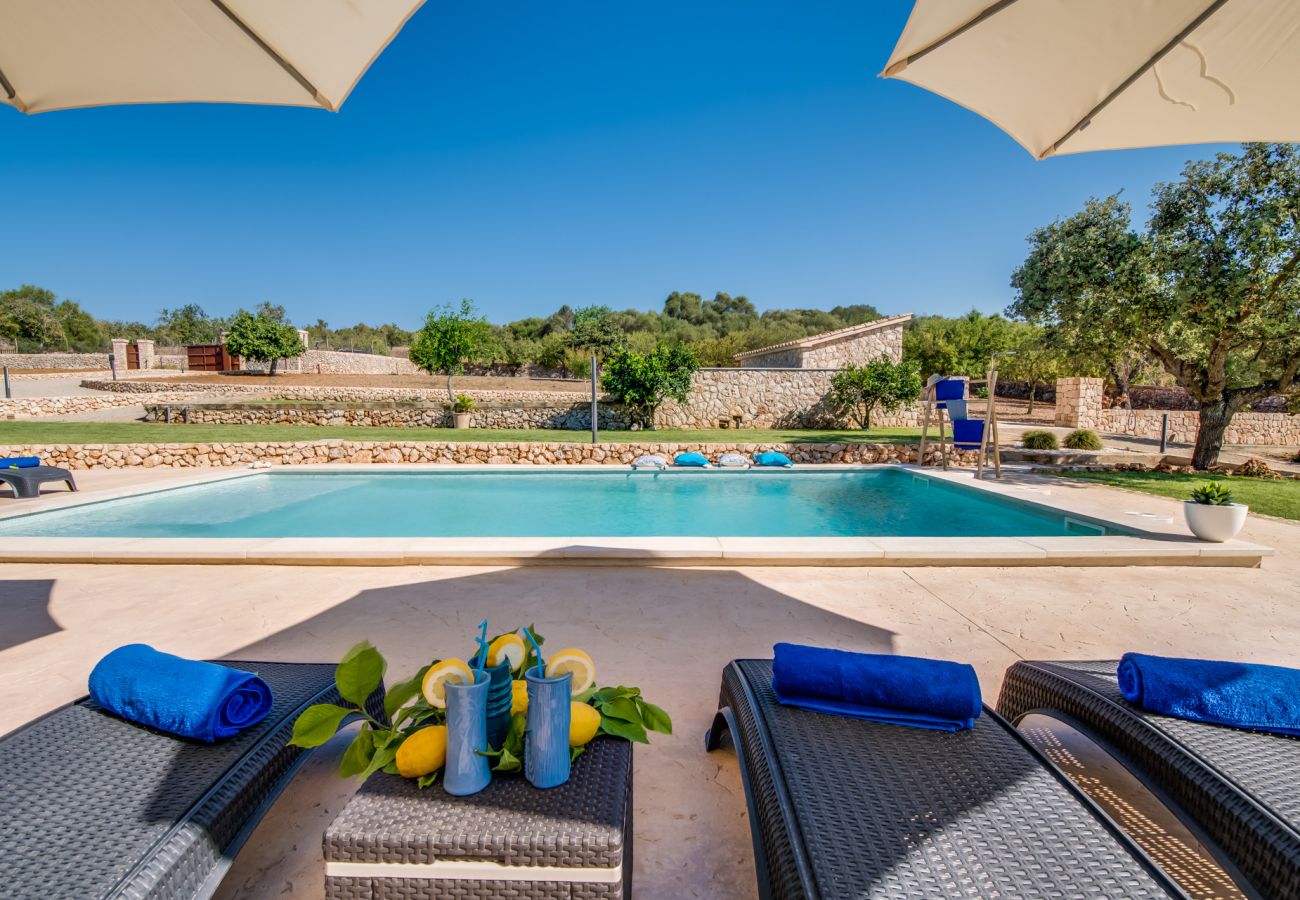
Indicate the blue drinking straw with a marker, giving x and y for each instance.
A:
(541, 668)
(480, 658)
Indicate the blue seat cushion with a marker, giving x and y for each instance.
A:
(694, 460)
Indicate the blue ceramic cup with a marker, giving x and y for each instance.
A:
(501, 697)
(546, 742)
(468, 771)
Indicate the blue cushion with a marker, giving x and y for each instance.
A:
(967, 432)
(20, 462)
(950, 389)
(772, 458)
(696, 460)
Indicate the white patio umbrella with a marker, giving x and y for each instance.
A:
(1068, 76)
(62, 54)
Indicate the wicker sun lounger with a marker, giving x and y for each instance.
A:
(92, 806)
(26, 483)
(840, 808)
(1241, 787)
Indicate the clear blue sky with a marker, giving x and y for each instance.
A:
(527, 155)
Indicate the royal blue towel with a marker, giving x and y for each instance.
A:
(967, 432)
(20, 462)
(185, 697)
(1243, 695)
(772, 458)
(694, 460)
(896, 690)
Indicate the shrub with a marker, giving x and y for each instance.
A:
(1040, 440)
(880, 384)
(1084, 439)
(464, 403)
(642, 381)
(1212, 493)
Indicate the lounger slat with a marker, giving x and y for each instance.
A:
(881, 811)
(93, 806)
(1241, 787)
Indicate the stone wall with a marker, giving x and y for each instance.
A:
(765, 398)
(54, 360)
(193, 455)
(851, 348)
(37, 407)
(390, 414)
(1078, 402)
(334, 362)
(1277, 429)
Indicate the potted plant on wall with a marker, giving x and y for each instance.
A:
(1211, 514)
(461, 409)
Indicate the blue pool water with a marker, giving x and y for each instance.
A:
(887, 501)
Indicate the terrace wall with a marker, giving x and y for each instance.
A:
(194, 455)
(54, 360)
(391, 414)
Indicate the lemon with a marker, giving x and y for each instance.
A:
(519, 696)
(455, 671)
(423, 752)
(578, 664)
(507, 647)
(584, 722)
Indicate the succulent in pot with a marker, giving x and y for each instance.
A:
(1211, 515)
(461, 409)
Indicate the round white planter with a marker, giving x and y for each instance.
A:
(1215, 523)
(462, 419)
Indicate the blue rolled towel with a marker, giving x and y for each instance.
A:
(193, 699)
(896, 690)
(20, 462)
(1242, 695)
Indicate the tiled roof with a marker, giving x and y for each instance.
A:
(828, 337)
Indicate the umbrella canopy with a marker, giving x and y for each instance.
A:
(62, 54)
(1068, 76)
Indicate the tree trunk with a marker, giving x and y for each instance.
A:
(1032, 387)
(273, 364)
(1209, 434)
(451, 395)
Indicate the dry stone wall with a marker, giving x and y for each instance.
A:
(37, 407)
(390, 414)
(334, 362)
(54, 360)
(196, 455)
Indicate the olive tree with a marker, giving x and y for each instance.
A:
(1211, 288)
(449, 338)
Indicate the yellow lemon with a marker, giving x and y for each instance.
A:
(576, 663)
(507, 647)
(584, 722)
(519, 696)
(434, 688)
(423, 752)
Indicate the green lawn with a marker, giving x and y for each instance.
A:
(37, 432)
(1272, 498)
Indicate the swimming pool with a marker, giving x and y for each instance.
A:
(547, 503)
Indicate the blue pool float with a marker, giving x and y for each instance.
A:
(692, 460)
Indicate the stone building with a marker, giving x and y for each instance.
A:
(833, 349)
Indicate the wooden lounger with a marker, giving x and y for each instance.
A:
(93, 806)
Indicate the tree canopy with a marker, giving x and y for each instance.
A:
(451, 336)
(1210, 288)
(263, 336)
(643, 381)
(880, 384)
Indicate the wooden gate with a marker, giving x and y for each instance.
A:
(132, 356)
(210, 358)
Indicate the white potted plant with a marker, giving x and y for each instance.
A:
(461, 409)
(1211, 514)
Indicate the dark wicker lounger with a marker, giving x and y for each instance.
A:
(842, 808)
(92, 806)
(26, 483)
(1241, 787)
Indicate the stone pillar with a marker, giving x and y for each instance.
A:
(119, 353)
(305, 338)
(145, 346)
(1078, 402)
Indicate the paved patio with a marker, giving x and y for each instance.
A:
(669, 630)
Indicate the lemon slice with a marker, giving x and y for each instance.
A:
(507, 647)
(434, 686)
(578, 664)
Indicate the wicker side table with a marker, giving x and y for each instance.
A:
(395, 842)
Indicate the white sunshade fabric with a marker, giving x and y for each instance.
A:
(64, 54)
(1070, 76)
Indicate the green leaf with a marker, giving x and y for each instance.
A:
(357, 756)
(402, 693)
(514, 739)
(585, 697)
(390, 769)
(508, 762)
(655, 718)
(317, 724)
(360, 673)
(621, 708)
(382, 759)
(426, 780)
(632, 731)
(575, 752)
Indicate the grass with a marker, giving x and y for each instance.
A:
(37, 432)
(1271, 498)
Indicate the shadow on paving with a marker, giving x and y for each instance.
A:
(24, 612)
